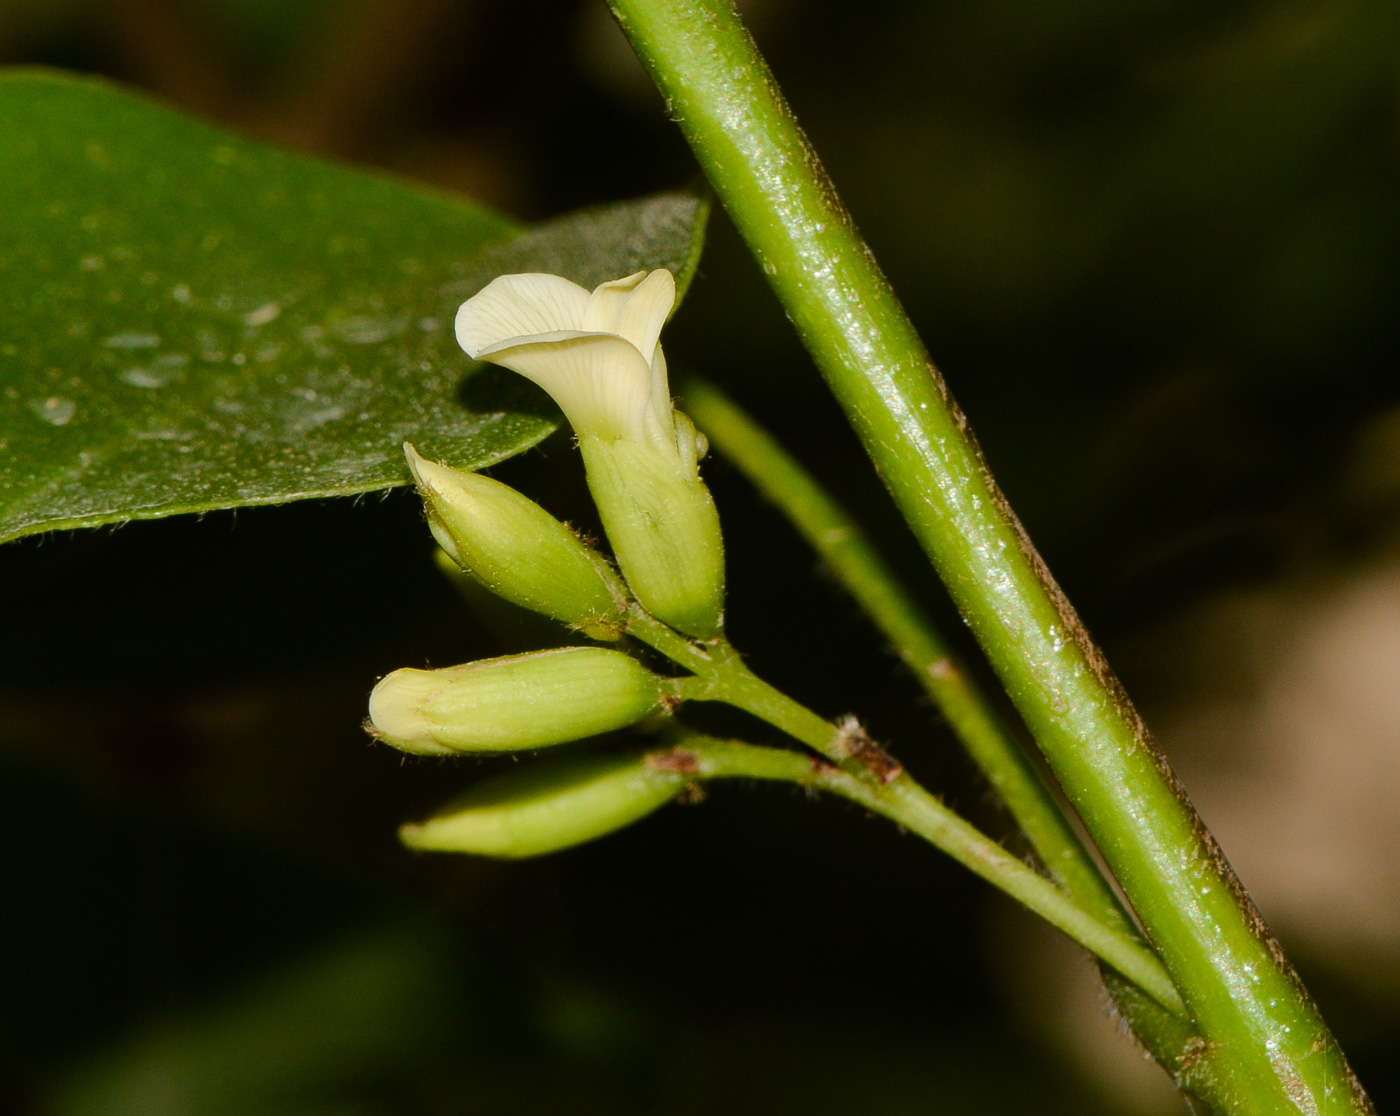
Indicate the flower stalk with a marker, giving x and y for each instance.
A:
(857, 769)
(905, 802)
(842, 544)
(718, 673)
(839, 539)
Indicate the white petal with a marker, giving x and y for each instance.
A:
(600, 381)
(607, 300)
(635, 308)
(662, 422)
(516, 306)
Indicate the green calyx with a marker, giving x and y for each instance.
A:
(517, 549)
(664, 531)
(515, 702)
(548, 806)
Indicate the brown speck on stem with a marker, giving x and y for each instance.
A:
(588, 540)
(942, 668)
(1196, 1049)
(692, 795)
(856, 743)
(677, 761)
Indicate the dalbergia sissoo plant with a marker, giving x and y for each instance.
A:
(1191, 965)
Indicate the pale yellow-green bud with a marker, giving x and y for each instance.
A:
(515, 702)
(547, 806)
(664, 531)
(516, 548)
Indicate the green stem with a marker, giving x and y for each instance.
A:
(843, 546)
(721, 675)
(905, 802)
(1265, 1042)
(833, 534)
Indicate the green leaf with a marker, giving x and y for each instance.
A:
(194, 321)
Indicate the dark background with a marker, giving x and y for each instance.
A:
(1154, 249)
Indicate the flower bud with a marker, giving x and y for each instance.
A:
(516, 548)
(520, 701)
(547, 806)
(664, 531)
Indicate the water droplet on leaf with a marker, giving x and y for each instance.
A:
(132, 341)
(55, 409)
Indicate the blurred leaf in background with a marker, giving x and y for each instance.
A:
(363, 1011)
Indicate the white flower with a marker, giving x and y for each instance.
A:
(596, 354)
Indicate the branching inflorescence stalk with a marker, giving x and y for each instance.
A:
(838, 538)
(905, 802)
(881, 786)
